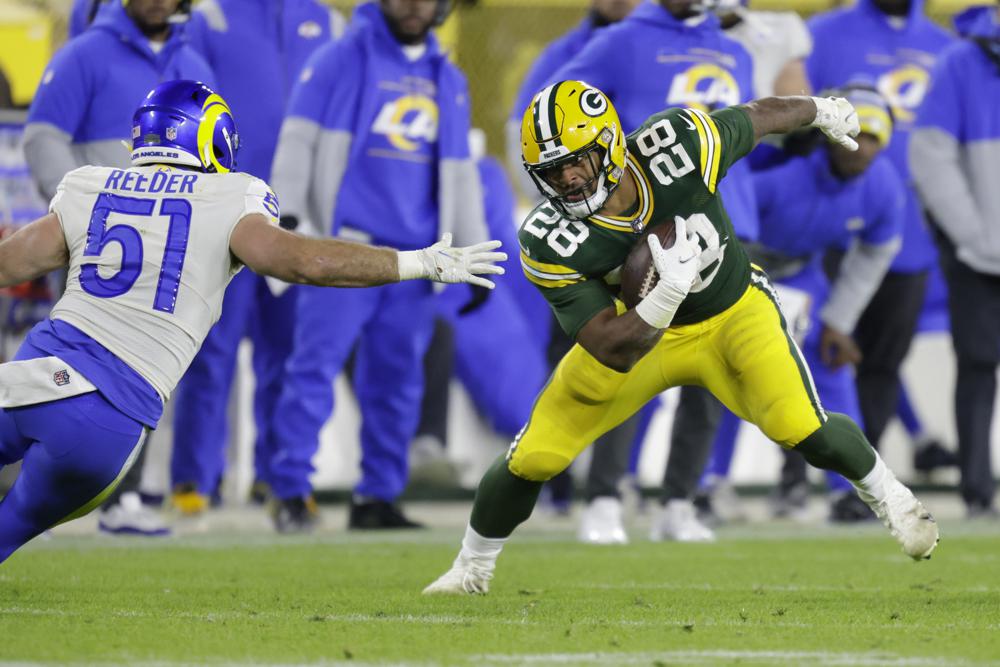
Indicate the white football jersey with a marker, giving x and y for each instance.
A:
(150, 259)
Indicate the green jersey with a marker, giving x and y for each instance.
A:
(677, 158)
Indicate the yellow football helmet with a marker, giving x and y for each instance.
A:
(572, 123)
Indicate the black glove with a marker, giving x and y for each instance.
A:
(289, 222)
(476, 301)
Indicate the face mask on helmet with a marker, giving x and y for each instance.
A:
(185, 123)
(572, 147)
(576, 184)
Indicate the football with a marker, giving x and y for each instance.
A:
(638, 273)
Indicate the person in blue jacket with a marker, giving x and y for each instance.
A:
(502, 327)
(665, 53)
(81, 114)
(257, 49)
(891, 43)
(831, 199)
(602, 14)
(374, 146)
(954, 158)
(82, 15)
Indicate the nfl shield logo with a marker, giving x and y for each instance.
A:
(61, 378)
(171, 133)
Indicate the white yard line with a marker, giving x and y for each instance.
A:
(715, 656)
(690, 656)
(778, 588)
(447, 619)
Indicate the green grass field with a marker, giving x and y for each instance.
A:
(764, 594)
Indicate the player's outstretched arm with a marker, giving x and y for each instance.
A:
(33, 251)
(833, 115)
(272, 251)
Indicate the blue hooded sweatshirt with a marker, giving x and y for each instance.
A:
(552, 57)
(806, 209)
(978, 21)
(375, 145)
(257, 49)
(78, 17)
(90, 90)
(955, 149)
(861, 43)
(651, 61)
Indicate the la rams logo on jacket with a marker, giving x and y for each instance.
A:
(408, 122)
(904, 88)
(704, 86)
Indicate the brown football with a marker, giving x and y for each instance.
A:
(639, 275)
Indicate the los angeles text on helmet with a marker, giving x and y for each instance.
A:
(160, 181)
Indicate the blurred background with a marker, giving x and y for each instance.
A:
(494, 42)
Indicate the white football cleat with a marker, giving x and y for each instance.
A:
(725, 502)
(678, 521)
(906, 518)
(468, 575)
(601, 522)
(130, 517)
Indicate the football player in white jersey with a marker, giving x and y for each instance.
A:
(149, 251)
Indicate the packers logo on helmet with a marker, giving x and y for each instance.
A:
(573, 147)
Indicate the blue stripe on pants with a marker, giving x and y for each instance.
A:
(73, 449)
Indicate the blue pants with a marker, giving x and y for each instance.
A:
(500, 358)
(75, 451)
(202, 398)
(392, 327)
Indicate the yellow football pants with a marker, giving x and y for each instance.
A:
(743, 355)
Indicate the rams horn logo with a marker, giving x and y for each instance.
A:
(593, 103)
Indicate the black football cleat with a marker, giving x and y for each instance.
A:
(849, 508)
(931, 455)
(378, 515)
(294, 515)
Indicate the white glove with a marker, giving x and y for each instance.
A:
(678, 268)
(445, 264)
(837, 119)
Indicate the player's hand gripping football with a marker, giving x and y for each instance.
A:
(837, 119)
(443, 263)
(678, 268)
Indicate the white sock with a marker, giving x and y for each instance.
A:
(875, 483)
(477, 546)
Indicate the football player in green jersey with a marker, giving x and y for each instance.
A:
(711, 319)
